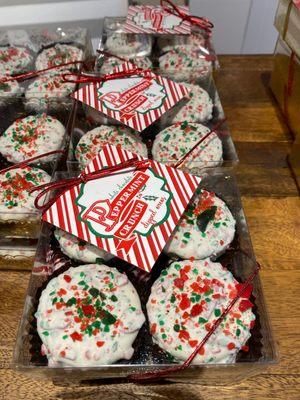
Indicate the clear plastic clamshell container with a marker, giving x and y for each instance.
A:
(25, 223)
(179, 57)
(17, 253)
(239, 259)
(222, 153)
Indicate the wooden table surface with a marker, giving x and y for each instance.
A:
(272, 208)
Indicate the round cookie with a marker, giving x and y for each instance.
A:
(15, 200)
(111, 62)
(14, 60)
(167, 43)
(184, 64)
(130, 45)
(80, 250)
(58, 54)
(47, 91)
(89, 316)
(199, 107)
(206, 229)
(9, 91)
(186, 300)
(31, 136)
(171, 144)
(92, 142)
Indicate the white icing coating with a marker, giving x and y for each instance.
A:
(16, 203)
(14, 60)
(92, 142)
(172, 143)
(198, 108)
(170, 42)
(58, 54)
(186, 300)
(184, 64)
(9, 89)
(128, 44)
(111, 62)
(80, 250)
(32, 136)
(192, 240)
(89, 316)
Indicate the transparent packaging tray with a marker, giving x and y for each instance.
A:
(239, 259)
(35, 40)
(27, 224)
(86, 118)
(153, 47)
(17, 253)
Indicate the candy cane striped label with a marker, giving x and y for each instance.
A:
(135, 101)
(151, 19)
(130, 214)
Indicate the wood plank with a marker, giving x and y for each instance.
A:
(275, 231)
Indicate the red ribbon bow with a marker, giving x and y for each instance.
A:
(66, 184)
(202, 22)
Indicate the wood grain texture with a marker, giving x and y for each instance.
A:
(271, 203)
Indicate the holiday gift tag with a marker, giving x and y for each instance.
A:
(155, 19)
(131, 213)
(136, 101)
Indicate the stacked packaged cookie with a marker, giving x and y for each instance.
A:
(35, 107)
(141, 271)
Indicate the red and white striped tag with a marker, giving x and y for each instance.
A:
(135, 101)
(129, 214)
(151, 19)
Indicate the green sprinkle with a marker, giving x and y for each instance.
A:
(94, 292)
(65, 337)
(114, 298)
(46, 333)
(176, 328)
(217, 312)
(173, 298)
(161, 322)
(202, 320)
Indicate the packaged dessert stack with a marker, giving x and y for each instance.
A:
(35, 108)
(285, 78)
(145, 264)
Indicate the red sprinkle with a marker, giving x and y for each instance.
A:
(196, 310)
(185, 302)
(76, 336)
(247, 293)
(245, 305)
(193, 343)
(88, 309)
(100, 344)
(153, 328)
(231, 346)
(179, 283)
(61, 292)
(245, 348)
(67, 278)
(184, 335)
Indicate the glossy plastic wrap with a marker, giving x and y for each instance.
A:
(239, 259)
(86, 118)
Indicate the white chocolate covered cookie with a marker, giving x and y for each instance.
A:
(92, 142)
(186, 300)
(130, 45)
(175, 141)
(58, 54)
(89, 316)
(15, 199)
(184, 64)
(170, 42)
(14, 60)
(206, 229)
(111, 62)
(80, 250)
(198, 108)
(31, 136)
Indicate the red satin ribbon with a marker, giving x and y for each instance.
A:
(198, 143)
(83, 78)
(32, 74)
(25, 163)
(161, 373)
(66, 184)
(202, 22)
